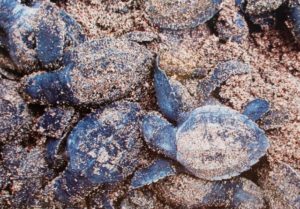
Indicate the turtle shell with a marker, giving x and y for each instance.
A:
(14, 115)
(95, 72)
(181, 14)
(105, 145)
(216, 142)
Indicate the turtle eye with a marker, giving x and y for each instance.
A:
(29, 39)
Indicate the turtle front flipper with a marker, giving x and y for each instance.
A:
(50, 36)
(159, 134)
(172, 97)
(74, 33)
(222, 73)
(50, 87)
(256, 109)
(158, 170)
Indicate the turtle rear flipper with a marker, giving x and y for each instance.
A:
(156, 171)
(246, 194)
(256, 109)
(159, 134)
(74, 32)
(222, 73)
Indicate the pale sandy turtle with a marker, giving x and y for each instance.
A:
(94, 72)
(181, 14)
(103, 149)
(213, 142)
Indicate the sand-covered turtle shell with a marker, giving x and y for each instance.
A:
(181, 14)
(105, 145)
(103, 148)
(14, 115)
(216, 142)
(95, 72)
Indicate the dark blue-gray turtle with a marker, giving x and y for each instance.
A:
(26, 172)
(15, 118)
(213, 142)
(52, 129)
(94, 72)
(294, 16)
(178, 15)
(37, 35)
(263, 14)
(103, 149)
(184, 191)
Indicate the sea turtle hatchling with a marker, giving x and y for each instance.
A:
(15, 118)
(38, 35)
(185, 26)
(91, 74)
(103, 148)
(181, 14)
(213, 142)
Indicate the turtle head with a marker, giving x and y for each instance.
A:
(159, 134)
(173, 98)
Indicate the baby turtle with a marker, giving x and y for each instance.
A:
(294, 13)
(281, 185)
(37, 35)
(181, 14)
(92, 74)
(14, 115)
(103, 149)
(27, 172)
(184, 191)
(213, 142)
